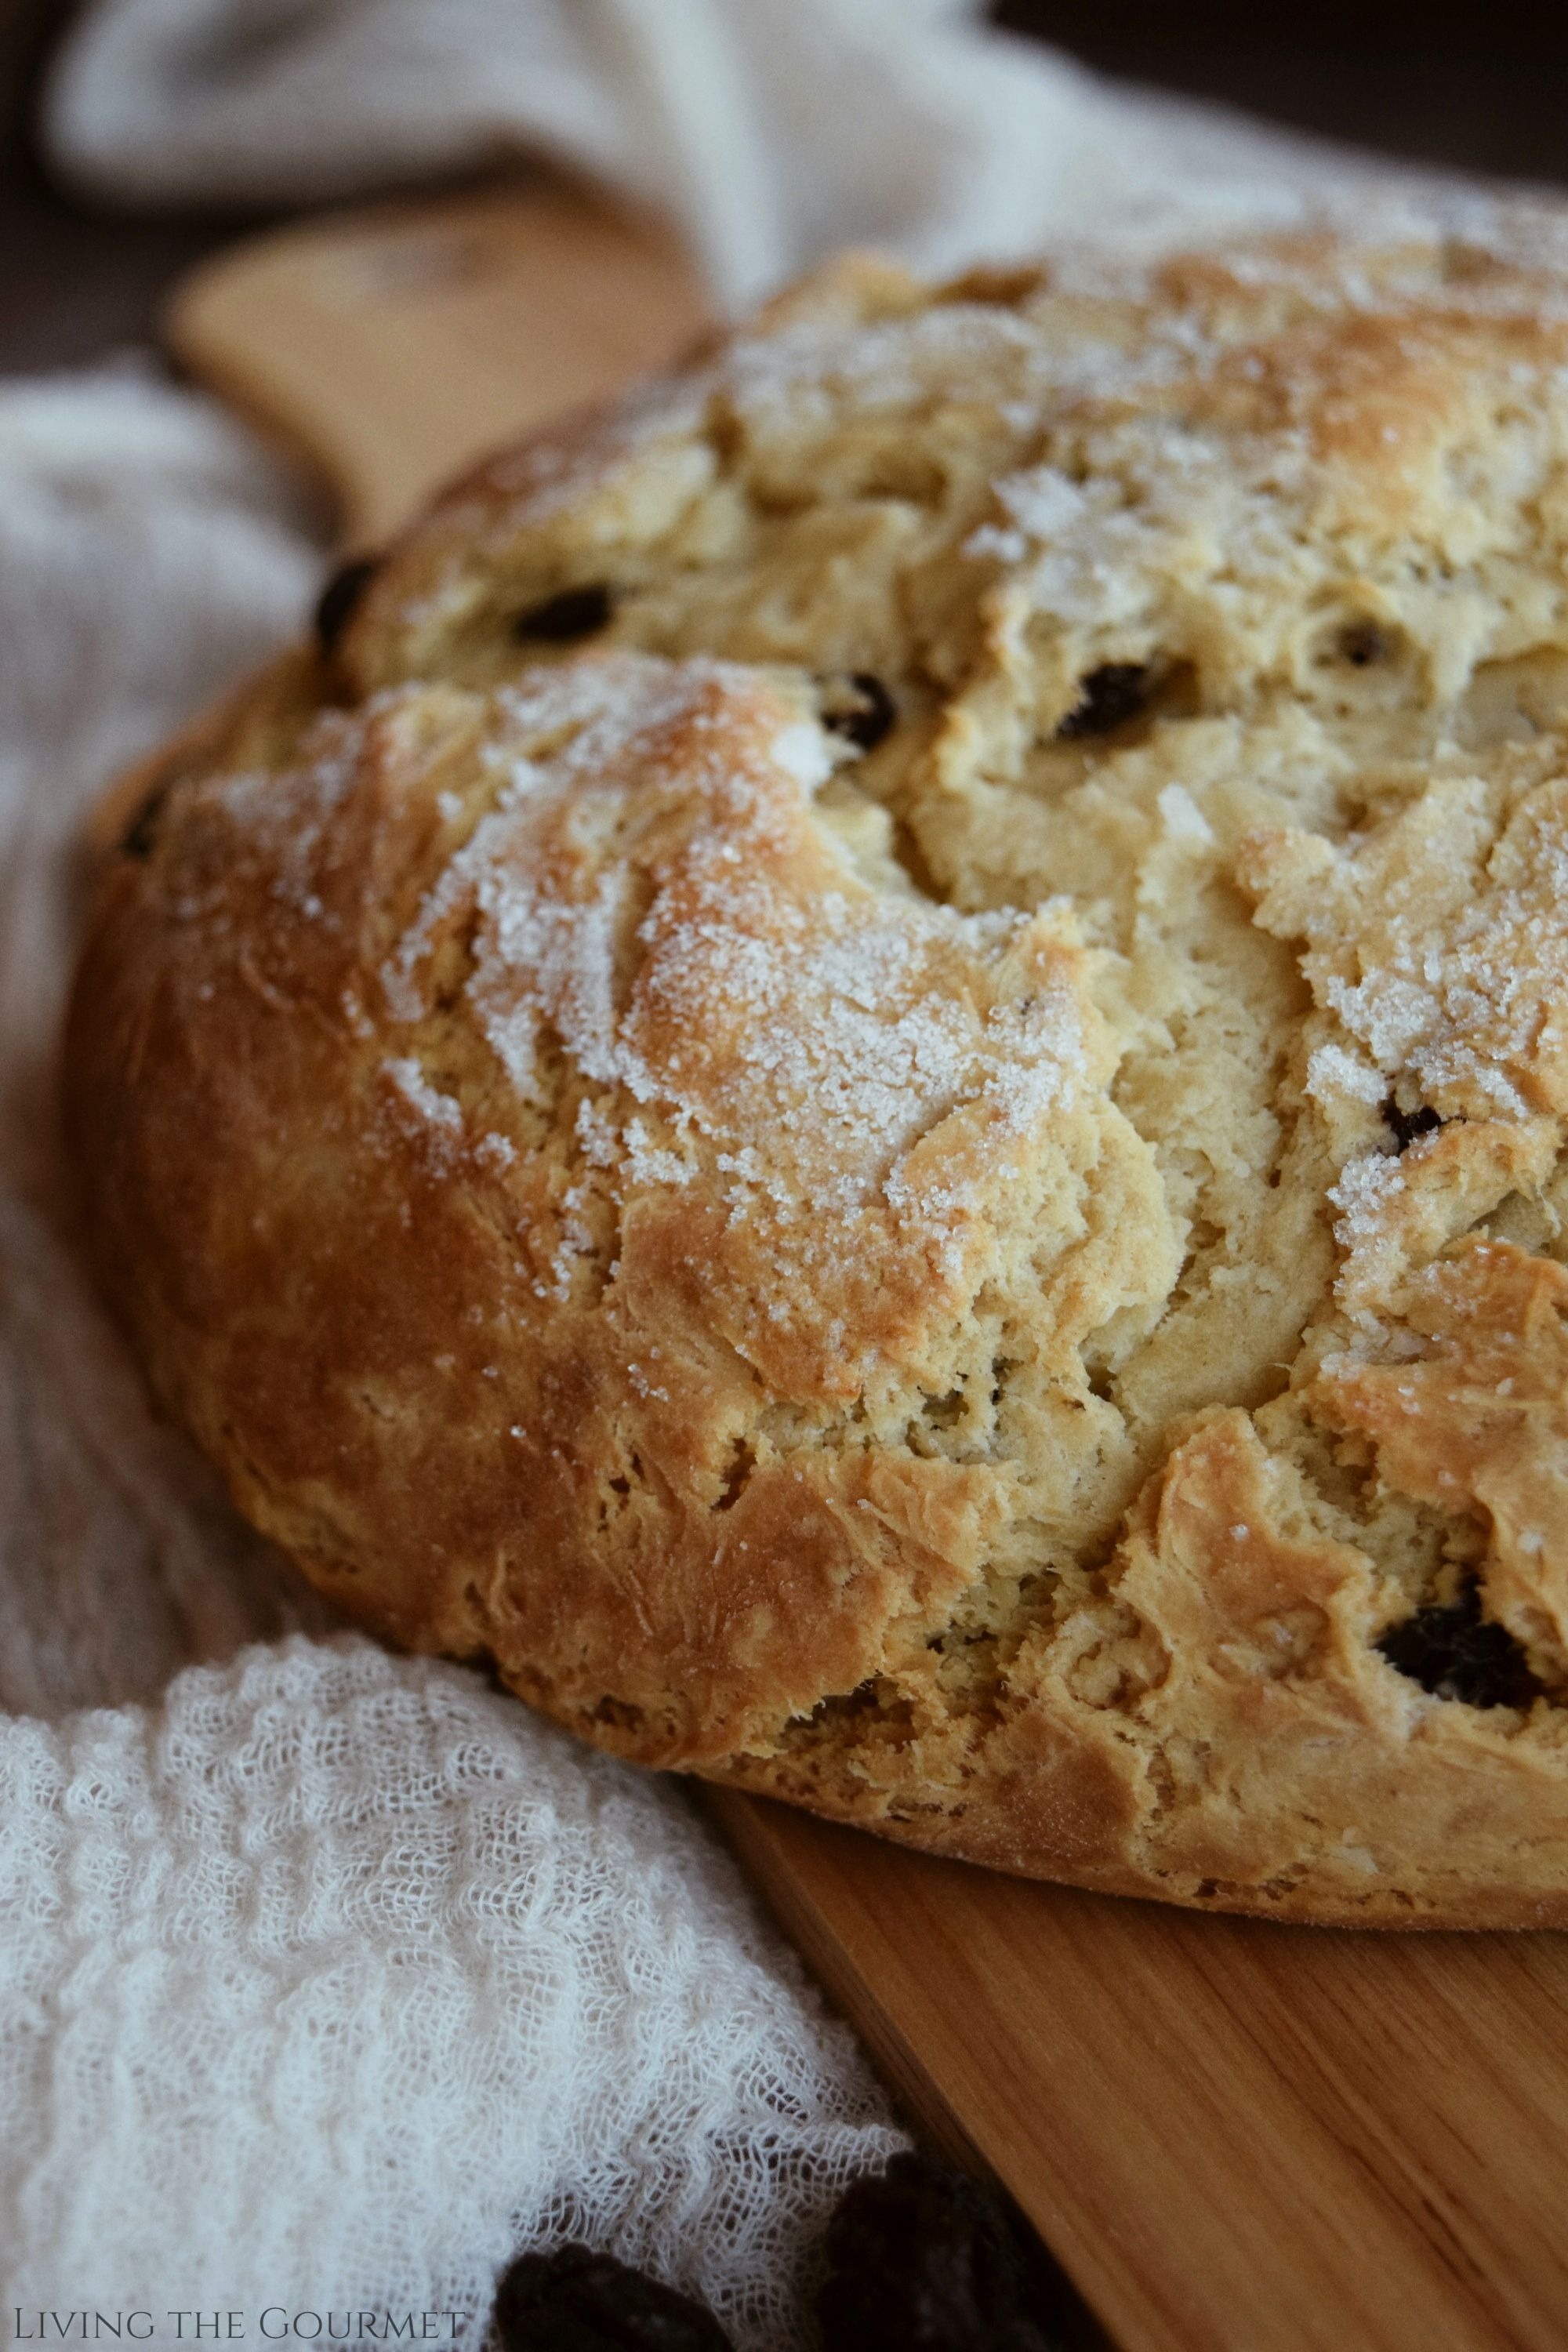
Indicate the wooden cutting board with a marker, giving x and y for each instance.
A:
(1234, 2138)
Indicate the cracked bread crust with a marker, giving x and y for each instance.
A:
(870, 1076)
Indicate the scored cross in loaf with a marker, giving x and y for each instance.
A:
(869, 1073)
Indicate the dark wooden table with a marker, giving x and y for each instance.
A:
(1484, 86)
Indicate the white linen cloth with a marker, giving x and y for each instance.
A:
(768, 129)
(327, 1978)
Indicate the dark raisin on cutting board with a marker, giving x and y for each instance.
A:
(574, 2300)
(924, 2259)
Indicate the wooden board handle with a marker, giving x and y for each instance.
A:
(392, 346)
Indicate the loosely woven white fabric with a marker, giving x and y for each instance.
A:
(336, 1979)
(767, 130)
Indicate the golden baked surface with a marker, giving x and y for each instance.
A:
(873, 1075)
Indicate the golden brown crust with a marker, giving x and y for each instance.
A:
(928, 1175)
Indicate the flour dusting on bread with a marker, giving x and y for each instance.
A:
(875, 1078)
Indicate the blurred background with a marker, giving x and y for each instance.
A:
(1479, 87)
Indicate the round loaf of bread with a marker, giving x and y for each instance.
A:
(869, 1073)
